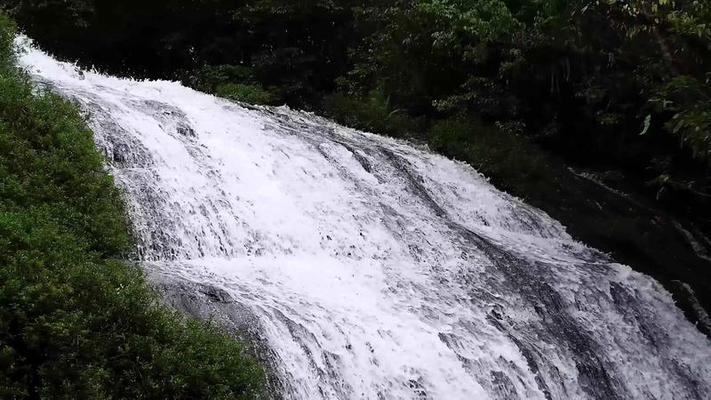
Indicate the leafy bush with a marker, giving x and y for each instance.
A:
(248, 93)
(233, 82)
(75, 322)
(372, 113)
(510, 159)
(690, 102)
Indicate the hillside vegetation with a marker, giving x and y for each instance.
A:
(75, 321)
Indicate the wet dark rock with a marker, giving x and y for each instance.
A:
(210, 303)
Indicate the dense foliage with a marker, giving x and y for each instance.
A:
(74, 321)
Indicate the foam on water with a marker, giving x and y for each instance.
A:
(375, 269)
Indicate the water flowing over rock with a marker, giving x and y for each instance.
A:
(373, 269)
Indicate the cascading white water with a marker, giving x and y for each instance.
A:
(375, 269)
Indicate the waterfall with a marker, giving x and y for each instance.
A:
(370, 267)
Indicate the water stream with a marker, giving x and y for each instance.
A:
(374, 269)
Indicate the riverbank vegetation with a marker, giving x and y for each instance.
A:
(75, 320)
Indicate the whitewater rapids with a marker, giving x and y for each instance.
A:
(374, 269)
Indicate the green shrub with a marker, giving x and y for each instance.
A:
(372, 113)
(75, 322)
(234, 82)
(510, 159)
(248, 93)
(7, 35)
(690, 102)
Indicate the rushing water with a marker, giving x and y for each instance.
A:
(375, 269)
